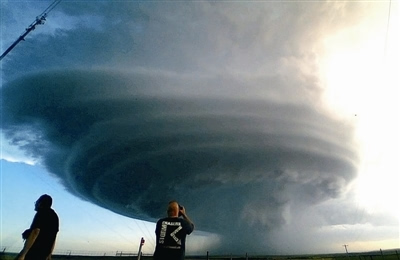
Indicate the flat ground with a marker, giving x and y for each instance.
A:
(385, 255)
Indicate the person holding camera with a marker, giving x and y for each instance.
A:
(171, 233)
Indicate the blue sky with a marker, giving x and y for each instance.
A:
(272, 122)
(84, 227)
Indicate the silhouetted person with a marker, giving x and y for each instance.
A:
(171, 233)
(40, 238)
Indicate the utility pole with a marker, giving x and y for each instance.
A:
(140, 248)
(38, 21)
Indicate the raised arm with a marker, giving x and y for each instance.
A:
(182, 212)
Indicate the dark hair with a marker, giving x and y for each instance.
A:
(45, 201)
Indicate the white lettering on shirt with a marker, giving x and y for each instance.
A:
(163, 231)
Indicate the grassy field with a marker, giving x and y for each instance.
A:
(378, 255)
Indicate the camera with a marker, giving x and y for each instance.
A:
(180, 208)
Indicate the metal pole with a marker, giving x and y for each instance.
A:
(22, 37)
(39, 20)
(140, 248)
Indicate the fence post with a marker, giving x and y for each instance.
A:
(207, 255)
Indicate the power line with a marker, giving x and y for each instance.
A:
(387, 28)
(38, 21)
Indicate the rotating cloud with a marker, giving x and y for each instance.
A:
(235, 153)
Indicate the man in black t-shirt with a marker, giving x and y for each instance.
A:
(40, 238)
(171, 233)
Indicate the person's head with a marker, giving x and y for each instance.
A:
(44, 202)
(173, 209)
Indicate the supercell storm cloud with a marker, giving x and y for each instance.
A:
(130, 141)
(224, 106)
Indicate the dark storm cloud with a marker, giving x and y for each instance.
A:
(215, 104)
(260, 37)
(131, 141)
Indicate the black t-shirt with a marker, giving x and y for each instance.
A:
(47, 221)
(171, 238)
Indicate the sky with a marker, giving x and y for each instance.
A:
(275, 123)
